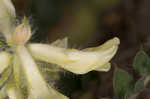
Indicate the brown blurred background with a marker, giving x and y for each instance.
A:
(89, 23)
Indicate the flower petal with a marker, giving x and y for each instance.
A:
(105, 67)
(38, 88)
(4, 60)
(76, 61)
(7, 9)
(13, 92)
(61, 43)
(7, 17)
(3, 93)
(19, 77)
(5, 76)
(51, 54)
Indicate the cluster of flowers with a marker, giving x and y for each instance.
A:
(19, 69)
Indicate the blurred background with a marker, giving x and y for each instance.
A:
(88, 23)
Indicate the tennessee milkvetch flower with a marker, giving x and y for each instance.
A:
(7, 17)
(77, 61)
(17, 64)
(21, 77)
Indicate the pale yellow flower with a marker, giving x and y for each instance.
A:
(38, 88)
(7, 9)
(7, 16)
(77, 61)
(20, 59)
(5, 59)
(13, 93)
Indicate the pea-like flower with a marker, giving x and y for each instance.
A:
(77, 61)
(21, 75)
(7, 17)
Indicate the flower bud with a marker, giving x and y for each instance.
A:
(22, 33)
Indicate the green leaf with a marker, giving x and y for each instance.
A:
(139, 86)
(127, 95)
(142, 63)
(123, 83)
